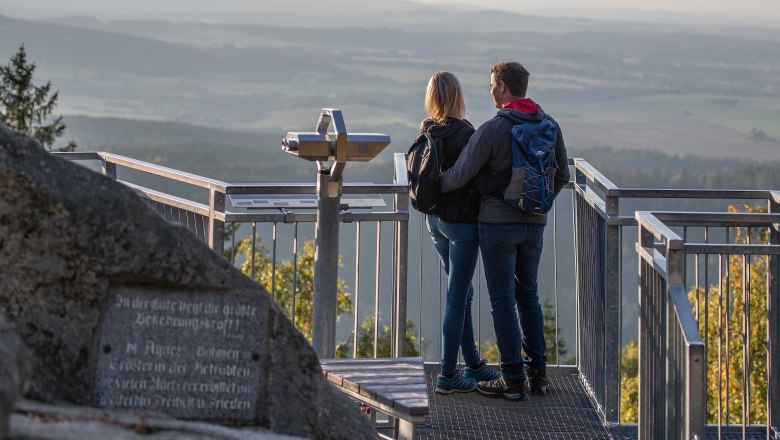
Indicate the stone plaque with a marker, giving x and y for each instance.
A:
(193, 355)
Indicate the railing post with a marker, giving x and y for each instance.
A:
(216, 232)
(401, 204)
(773, 323)
(650, 298)
(685, 362)
(326, 265)
(685, 396)
(612, 306)
(108, 169)
(695, 392)
(579, 182)
(672, 357)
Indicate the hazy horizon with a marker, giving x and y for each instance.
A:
(762, 13)
(744, 13)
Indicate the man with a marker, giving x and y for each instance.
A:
(510, 239)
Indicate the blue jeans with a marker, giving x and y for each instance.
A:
(511, 254)
(458, 246)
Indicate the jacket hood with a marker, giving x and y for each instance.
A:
(443, 130)
(522, 110)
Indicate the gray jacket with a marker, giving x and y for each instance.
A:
(491, 146)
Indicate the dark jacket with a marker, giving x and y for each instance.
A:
(491, 147)
(461, 205)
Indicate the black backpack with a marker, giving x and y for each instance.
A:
(423, 166)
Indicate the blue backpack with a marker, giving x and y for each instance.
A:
(533, 167)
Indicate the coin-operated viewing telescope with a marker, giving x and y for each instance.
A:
(339, 146)
(323, 147)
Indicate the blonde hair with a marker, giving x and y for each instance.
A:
(444, 97)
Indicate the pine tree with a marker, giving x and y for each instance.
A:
(26, 107)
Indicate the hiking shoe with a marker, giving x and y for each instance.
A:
(537, 381)
(458, 384)
(512, 390)
(481, 374)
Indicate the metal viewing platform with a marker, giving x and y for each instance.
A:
(672, 263)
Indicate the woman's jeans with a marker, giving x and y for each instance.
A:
(458, 247)
(511, 254)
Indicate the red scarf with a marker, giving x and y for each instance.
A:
(525, 105)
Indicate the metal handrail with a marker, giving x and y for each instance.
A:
(158, 170)
(681, 193)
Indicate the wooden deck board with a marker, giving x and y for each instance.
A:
(393, 383)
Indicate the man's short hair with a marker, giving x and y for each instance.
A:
(514, 75)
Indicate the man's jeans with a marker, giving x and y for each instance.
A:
(511, 254)
(457, 245)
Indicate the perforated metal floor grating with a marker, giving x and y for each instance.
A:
(565, 413)
(737, 436)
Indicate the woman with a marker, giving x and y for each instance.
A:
(455, 236)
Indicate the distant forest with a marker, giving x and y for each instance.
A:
(650, 169)
(239, 156)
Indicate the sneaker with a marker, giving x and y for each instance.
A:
(481, 374)
(458, 384)
(537, 381)
(502, 386)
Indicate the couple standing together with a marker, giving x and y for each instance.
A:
(473, 216)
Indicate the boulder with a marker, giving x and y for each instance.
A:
(15, 365)
(79, 249)
(35, 420)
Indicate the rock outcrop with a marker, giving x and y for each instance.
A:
(34, 420)
(14, 372)
(69, 237)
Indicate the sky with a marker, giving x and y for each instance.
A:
(765, 13)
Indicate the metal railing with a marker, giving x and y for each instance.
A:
(598, 289)
(604, 276)
(208, 222)
(734, 313)
(672, 360)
